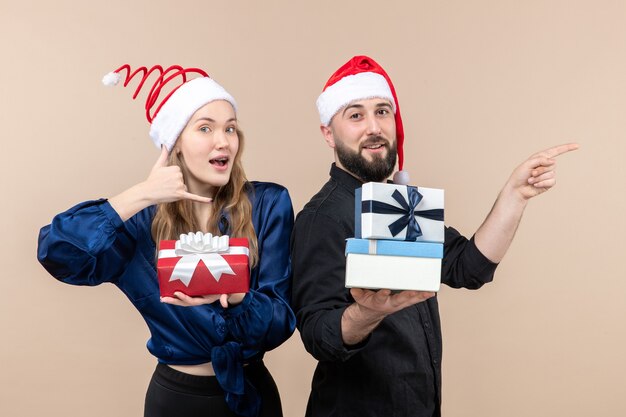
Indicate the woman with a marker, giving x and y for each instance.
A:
(209, 348)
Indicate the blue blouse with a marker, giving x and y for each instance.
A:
(90, 244)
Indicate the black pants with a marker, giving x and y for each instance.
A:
(176, 394)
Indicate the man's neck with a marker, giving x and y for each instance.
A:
(341, 167)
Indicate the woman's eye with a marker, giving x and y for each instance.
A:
(205, 129)
(231, 130)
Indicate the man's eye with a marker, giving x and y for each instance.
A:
(355, 116)
(383, 112)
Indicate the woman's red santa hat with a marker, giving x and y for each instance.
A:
(358, 79)
(169, 116)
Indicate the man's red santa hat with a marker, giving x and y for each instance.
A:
(169, 115)
(358, 79)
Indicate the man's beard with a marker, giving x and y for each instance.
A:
(377, 170)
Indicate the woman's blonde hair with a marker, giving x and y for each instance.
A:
(173, 219)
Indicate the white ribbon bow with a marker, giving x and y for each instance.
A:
(196, 247)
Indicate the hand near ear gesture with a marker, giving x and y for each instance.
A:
(164, 185)
(537, 174)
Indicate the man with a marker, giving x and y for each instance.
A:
(379, 352)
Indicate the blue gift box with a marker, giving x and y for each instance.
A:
(394, 248)
(399, 212)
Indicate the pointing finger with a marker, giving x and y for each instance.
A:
(560, 149)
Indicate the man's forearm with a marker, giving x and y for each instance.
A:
(357, 323)
(495, 235)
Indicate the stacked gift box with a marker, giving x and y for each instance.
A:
(202, 264)
(399, 236)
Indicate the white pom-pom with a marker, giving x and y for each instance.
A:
(401, 178)
(111, 79)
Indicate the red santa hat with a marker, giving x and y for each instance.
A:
(358, 79)
(169, 115)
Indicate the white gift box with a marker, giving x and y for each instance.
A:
(393, 264)
(399, 212)
(393, 272)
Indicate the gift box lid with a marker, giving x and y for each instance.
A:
(399, 212)
(394, 248)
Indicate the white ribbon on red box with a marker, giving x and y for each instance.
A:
(196, 247)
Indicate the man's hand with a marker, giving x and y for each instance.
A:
(371, 307)
(534, 176)
(537, 174)
(384, 302)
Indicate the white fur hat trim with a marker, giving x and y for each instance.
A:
(361, 86)
(178, 109)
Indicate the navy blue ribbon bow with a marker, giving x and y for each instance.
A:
(407, 210)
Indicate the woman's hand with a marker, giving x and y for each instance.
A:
(227, 300)
(164, 185)
(184, 300)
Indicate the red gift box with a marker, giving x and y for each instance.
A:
(198, 274)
